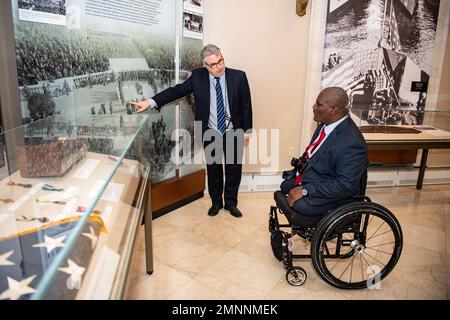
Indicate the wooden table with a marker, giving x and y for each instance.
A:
(428, 138)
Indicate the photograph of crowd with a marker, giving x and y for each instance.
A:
(59, 69)
(49, 6)
(376, 49)
(107, 135)
(189, 60)
(94, 72)
(160, 148)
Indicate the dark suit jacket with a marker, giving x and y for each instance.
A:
(198, 83)
(335, 171)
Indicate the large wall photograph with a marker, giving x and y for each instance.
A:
(106, 55)
(189, 60)
(381, 52)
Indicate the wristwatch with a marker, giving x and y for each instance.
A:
(304, 192)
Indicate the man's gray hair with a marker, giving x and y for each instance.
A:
(208, 50)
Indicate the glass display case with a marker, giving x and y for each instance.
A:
(72, 193)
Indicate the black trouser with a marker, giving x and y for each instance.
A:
(233, 169)
(302, 206)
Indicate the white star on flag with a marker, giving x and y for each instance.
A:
(51, 243)
(17, 289)
(4, 259)
(91, 235)
(75, 272)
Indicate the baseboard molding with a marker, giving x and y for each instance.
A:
(377, 177)
(406, 177)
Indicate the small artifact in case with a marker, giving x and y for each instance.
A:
(50, 159)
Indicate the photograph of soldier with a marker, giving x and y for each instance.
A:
(192, 25)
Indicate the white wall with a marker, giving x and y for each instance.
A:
(269, 41)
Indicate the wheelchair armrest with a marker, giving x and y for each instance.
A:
(281, 201)
(295, 218)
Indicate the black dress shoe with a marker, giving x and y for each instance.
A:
(214, 210)
(235, 212)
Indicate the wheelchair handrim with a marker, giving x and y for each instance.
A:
(329, 226)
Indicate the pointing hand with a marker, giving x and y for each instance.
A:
(141, 105)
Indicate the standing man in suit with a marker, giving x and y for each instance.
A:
(334, 161)
(223, 104)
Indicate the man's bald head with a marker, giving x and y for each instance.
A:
(331, 105)
(338, 97)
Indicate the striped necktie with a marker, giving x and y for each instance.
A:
(309, 152)
(313, 146)
(220, 107)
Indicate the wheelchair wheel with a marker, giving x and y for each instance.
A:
(296, 276)
(357, 245)
(276, 241)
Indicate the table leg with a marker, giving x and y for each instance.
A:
(423, 165)
(148, 232)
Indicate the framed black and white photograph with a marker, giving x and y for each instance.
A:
(192, 25)
(98, 70)
(44, 11)
(195, 6)
(381, 52)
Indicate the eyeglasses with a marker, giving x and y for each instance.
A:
(215, 65)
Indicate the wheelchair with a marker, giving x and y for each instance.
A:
(353, 246)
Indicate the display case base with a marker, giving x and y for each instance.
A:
(176, 192)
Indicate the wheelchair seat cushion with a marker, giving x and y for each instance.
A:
(295, 218)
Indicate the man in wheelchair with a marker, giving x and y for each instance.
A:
(331, 167)
(330, 175)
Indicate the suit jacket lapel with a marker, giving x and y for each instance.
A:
(316, 133)
(207, 83)
(229, 88)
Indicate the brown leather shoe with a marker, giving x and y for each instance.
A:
(234, 211)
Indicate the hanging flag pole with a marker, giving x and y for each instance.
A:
(391, 85)
(379, 47)
(382, 24)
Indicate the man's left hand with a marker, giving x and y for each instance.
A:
(294, 195)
